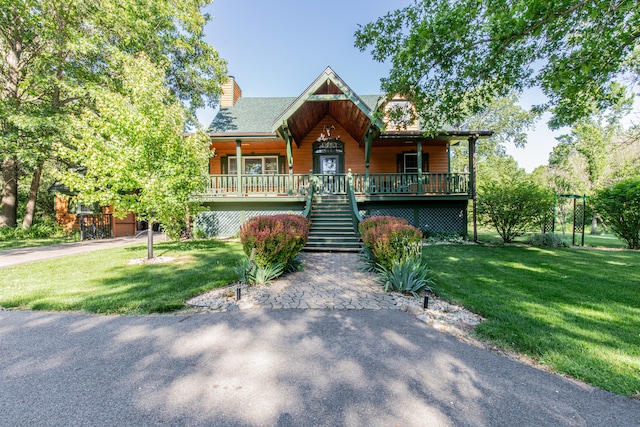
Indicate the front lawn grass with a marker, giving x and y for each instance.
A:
(576, 311)
(103, 281)
(33, 242)
(604, 240)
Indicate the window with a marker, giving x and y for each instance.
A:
(410, 162)
(77, 207)
(255, 165)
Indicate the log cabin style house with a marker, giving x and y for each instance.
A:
(335, 157)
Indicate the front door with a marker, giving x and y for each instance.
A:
(328, 170)
(328, 165)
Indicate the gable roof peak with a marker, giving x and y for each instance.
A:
(326, 87)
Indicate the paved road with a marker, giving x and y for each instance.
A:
(275, 368)
(11, 257)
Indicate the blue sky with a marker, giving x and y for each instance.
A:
(278, 47)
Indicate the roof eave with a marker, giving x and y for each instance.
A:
(447, 135)
(255, 136)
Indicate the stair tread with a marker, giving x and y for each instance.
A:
(332, 226)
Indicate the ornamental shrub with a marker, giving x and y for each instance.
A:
(277, 239)
(390, 242)
(375, 221)
(513, 206)
(619, 207)
(548, 240)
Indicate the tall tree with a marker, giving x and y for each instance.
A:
(453, 57)
(52, 50)
(509, 122)
(132, 150)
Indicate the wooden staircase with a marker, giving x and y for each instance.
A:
(331, 226)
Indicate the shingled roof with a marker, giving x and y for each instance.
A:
(256, 115)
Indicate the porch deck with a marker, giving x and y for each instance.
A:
(297, 185)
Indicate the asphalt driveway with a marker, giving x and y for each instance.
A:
(275, 368)
(10, 257)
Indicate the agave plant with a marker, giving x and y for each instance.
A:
(407, 276)
(264, 275)
(243, 269)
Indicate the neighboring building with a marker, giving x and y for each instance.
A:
(324, 152)
(93, 221)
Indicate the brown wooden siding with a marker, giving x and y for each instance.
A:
(122, 227)
(384, 154)
(63, 217)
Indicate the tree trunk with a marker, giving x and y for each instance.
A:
(594, 224)
(27, 221)
(9, 203)
(187, 223)
(150, 237)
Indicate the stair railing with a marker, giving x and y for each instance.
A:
(312, 186)
(353, 203)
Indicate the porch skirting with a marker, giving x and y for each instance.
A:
(431, 217)
(227, 223)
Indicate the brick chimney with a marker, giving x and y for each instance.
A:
(230, 93)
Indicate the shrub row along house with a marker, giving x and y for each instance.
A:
(334, 156)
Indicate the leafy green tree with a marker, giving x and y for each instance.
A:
(619, 206)
(452, 58)
(514, 206)
(509, 123)
(52, 51)
(131, 148)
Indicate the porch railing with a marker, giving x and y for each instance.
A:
(432, 183)
(407, 183)
(251, 184)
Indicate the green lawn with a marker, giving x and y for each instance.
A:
(604, 240)
(104, 282)
(29, 243)
(577, 311)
